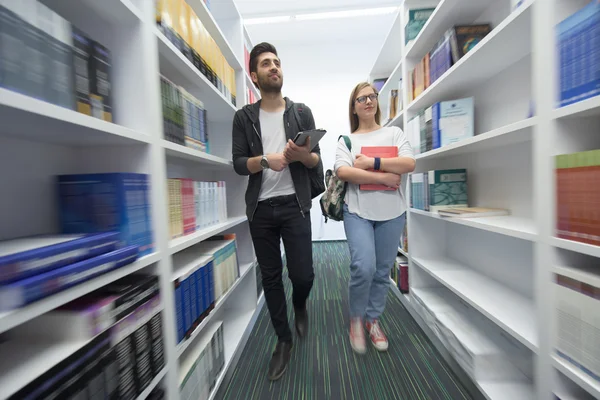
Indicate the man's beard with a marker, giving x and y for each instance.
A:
(268, 86)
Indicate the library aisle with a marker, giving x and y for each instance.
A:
(323, 366)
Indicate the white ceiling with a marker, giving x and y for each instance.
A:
(369, 29)
(254, 8)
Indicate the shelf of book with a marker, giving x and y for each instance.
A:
(508, 309)
(401, 251)
(175, 66)
(488, 58)
(183, 242)
(155, 382)
(398, 120)
(187, 153)
(577, 247)
(11, 319)
(25, 360)
(517, 227)
(570, 371)
(236, 330)
(216, 33)
(584, 108)
(183, 346)
(26, 117)
(517, 132)
(447, 14)
(474, 342)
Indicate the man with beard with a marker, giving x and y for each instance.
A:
(278, 197)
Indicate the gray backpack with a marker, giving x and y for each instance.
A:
(332, 201)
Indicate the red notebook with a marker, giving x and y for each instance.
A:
(381, 152)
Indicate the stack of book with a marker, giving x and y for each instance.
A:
(578, 46)
(180, 24)
(110, 202)
(438, 189)
(577, 314)
(37, 267)
(404, 239)
(200, 369)
(442, 124)
(184, 117)
(452, 46)
(208, 270)
(194, 291)
(195, 205)
(578, 196)
(46, 57)
(399, 273)
(483, 352)
(121, 327)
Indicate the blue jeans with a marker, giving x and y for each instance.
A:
(373, 248)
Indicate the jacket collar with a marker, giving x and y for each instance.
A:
(253, 110)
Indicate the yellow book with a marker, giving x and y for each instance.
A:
(184, 24)
(174, 11)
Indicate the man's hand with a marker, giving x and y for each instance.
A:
(277, 162)
(364, 162)
(390, 180)
(293, 152)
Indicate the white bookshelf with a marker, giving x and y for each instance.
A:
(502, 268)
(39, 140)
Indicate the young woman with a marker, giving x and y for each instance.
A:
(373, 219)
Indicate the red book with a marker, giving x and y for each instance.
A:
(187, 206)
(381, 152)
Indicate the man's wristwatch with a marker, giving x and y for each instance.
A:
(264, 162)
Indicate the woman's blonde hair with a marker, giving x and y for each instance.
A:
(354, 117)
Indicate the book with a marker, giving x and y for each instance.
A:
(463, 38)
(25, 257)
(382, 152)
(446, 189)
(82, 52)
(579, 72)
(456, 120)
(472, 212)
(576, 196)
(12, 49)
(416, 19)
(91, 203)
(100, 66)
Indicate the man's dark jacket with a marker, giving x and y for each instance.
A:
(247, 142)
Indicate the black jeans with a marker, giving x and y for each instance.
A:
(276, 218)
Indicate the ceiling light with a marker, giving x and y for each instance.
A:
(267, 20)
(347, 14)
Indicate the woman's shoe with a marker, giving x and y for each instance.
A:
(357, 336)
(377, 336)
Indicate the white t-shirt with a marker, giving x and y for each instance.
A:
(274, 141)
(374, 205)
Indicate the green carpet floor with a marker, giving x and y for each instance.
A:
(323, 365)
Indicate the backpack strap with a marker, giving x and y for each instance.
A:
(296, 107)
(347, 141)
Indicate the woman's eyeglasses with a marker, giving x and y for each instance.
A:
(363, 99)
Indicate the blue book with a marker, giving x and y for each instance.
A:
(26, 291)
(436, 141)
(211, 283)
(26, 257)
(208, 287)
(194, 314)
(91, 203)
(179, 311)
(199, 292)
(579, 57)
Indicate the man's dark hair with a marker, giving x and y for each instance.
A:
(259, 49)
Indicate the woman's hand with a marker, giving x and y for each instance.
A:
(390, 180)
(363, 162)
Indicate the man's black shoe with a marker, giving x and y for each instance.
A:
(301, 322)
(280, 359)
